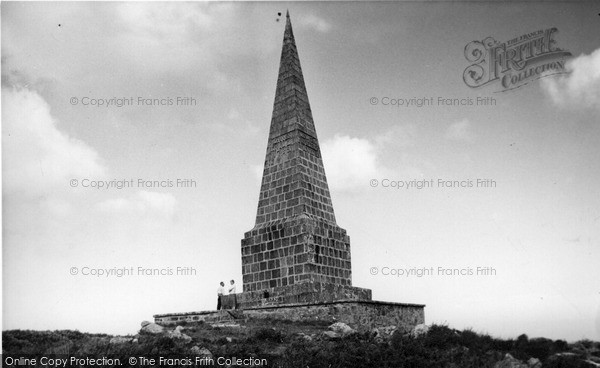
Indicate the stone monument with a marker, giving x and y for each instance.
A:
(296, 260)
(296, 252)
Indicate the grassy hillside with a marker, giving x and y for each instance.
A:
(295, 344)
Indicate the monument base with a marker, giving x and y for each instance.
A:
(362, 315)
(308, 301)
(300, 293)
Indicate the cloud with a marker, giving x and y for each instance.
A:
(38, 159)
(579, 88)
(189, 38)
(142, 202)
(166, 37)
(164, 19)
(237, 123)
(351, 162)
(258, 171)
(460, 131)
(316, 23)
(233, 114)
(184, 46)
(399, 136)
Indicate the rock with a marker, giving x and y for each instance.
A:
(388, 330)
(341, 328)
(178, 335)
(420, 329)
(120, 340)
(568, 359)
(153, 328)
(384, 332)
(145, 323)
(205, 352)
(179, 328)
(186, 338)
(331, 335)
(305, 336)
(201, 351)
(229, 339)
(534, 363)
(135, 341)
(195, 349)
(277, 351)
(225, 325)
(510, 362)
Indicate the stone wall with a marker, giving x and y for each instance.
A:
(171, 319)
(308, 292)
(360, 315)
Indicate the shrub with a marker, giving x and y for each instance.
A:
(564, 361)
(441, 337)
(268, 334)
(560, 346)
(540, 348)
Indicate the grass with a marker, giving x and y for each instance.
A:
(289, 344)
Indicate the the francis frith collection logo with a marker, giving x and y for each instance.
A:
(516, 62)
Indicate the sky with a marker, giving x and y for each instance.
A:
(76, 256)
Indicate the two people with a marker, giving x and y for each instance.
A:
(221, 295)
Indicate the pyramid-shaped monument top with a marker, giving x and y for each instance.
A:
(294, 181)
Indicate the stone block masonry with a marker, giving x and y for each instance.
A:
(302, 293)
(295, 238)
(297, 250)
(361, 315)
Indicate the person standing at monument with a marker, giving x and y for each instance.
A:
(220, 293)
(232, 289)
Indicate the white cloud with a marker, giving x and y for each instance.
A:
(399, 136)
(460, 131)
(238, 123)
(258, 171)
(233, 114)
(316, 23)
(183, 38)
(164, 19)
(142, 202)
(161, 36)
(580, 88)
(38, 159)
(351, 162)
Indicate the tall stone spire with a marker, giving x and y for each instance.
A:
(295, 239)
(294, 179)
(296, 259)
